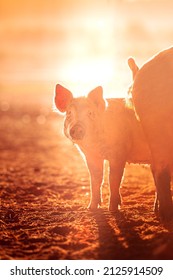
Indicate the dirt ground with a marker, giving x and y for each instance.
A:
(44, 187)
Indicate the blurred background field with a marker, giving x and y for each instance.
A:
(44, 183)
(80, 43)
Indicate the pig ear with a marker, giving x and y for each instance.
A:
(62, 98)
(133, 66)
(96, 95)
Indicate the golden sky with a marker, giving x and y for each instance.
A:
(81, 43)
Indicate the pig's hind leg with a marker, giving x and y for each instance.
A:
(115, 176)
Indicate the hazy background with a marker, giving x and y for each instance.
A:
(44, 181)
(79, 43)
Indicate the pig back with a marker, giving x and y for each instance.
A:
(153, 99)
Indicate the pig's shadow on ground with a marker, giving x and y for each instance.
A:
(118, 239)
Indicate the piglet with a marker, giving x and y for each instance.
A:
(103, 130)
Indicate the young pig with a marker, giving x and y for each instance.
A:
(103, 130)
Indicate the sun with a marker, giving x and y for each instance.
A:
(92, 58)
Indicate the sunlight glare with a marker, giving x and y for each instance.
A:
(91, 71)
(94, 59)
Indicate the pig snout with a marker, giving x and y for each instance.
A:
(77, 132)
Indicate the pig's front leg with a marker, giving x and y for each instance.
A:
(95, 166)
(115, 177)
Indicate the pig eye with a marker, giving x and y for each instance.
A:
(91, 114)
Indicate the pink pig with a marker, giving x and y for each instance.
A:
(152, 94)
(103, 130)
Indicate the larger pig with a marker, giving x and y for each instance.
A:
(152, 94)
(103, 129)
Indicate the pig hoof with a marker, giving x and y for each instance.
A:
(166, 215)
(93, 206)
(114, 208)
(115, 204)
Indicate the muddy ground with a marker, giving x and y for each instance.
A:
(44, 188)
